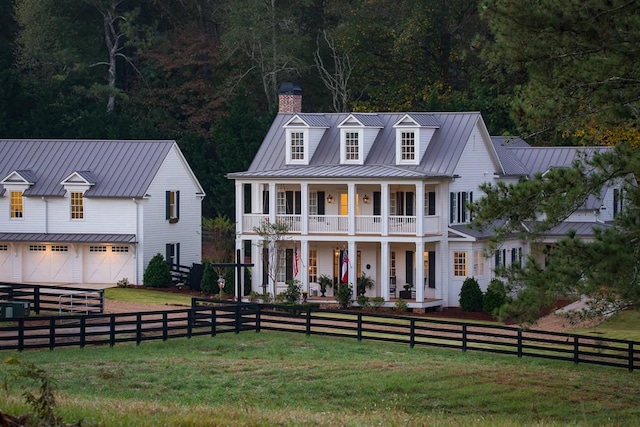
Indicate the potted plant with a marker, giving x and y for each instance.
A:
(406, 294)
(324, 282)
(364, 282)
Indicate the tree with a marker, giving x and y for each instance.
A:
(273, 235)
(157, 274)
(218, 242)
(575, 63)
(604, 269)
(471, 295)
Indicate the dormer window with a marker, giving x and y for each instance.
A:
(352, 146)
(408, 146)
(77, 205)
(297, 146)
(15, 204)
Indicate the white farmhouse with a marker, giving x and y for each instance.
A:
(387, 193)
(91, 211)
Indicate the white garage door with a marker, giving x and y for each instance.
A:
(47, 263)
(107, 263)
(6, 264)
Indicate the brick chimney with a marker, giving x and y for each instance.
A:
(289, 98)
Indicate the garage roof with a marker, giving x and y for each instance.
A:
(67, 238)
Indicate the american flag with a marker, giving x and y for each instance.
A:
(296, 258)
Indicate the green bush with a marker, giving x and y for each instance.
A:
(363, 301)
(401, 306)
(343, 295)
(208, 283)
(471, 295)
(157, 274)
(377, 302)
(495, 297)
(293, 292)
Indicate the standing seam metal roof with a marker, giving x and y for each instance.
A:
(119, 168)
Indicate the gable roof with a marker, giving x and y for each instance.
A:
(440, 159)
(118, 168)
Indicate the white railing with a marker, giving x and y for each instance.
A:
(368, 224)
(251, 221)
(292, 222)
(431, 224)
(402, 224)
(328, 224)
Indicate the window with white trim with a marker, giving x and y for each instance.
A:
(297, 145)
(460, 264)
(408, 145)
(59, 248)
(459, 207)
(392, 264)
(16, 206)
(4, 248)
(351, 146)
(97, 249)
(77, 205)
(478, 263)
(119, 248)
(313, 203)
(37, 248)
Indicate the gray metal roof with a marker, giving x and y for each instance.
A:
(118, 168)
(541, 159)
(314, 120)
(368, 119)
(440, 159)
(511, 165)
(67, 238)
(582, 229)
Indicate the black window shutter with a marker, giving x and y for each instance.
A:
(452, 208)
(167, 252)
(616, 195)
(400, 203)
(497, 258)
(177, 204)
(289, 202)
(265, 201)
(432, 269)
(432, 203)
(409, 203)
(167, 205)
(265, 267)
(377, 203)
(177, 255)
(463, 210)
(247, 198)
(470, 202)
(410, 268)
(298, 202)
(320, 202)
(289, 264)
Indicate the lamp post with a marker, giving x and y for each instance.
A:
(221, 285)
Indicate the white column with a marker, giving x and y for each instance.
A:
(303, 265)
(304, 201)
(239, 207)
(384, 269)
(238, 279)
(353, 263)
(351, 208)
(272, 202)
(258, 268)
(419, 209)
(384, 208)
(419, 271)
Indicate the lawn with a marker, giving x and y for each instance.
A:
(267, 378)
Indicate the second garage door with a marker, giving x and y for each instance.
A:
(107, 263)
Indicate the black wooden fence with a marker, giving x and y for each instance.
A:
(54, 298)
(208, 317)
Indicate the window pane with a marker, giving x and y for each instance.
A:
(460, 264)
(77, 208)
(297, 146)
(408, 146)
(16, 204)
(351, 146)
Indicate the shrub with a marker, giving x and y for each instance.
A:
(292, 294)
(363, 301)
(208, 283)
(471, 295)
(401, 306)
(377, 302)
(123, 283)
(495, 297)
(157, 274)
(343, 295)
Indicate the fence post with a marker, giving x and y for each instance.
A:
(112, 330)
(359, 326)
(83, 331)
(101, 301)
(214, 320)
(238, 317)
(189, 323)
(464, 338)
(308, 331)
(519, 342)
(138, 328)
(412, 333)
(630, 356)
(20, 334)
(36, 300)
(576, 350)
(52, 333)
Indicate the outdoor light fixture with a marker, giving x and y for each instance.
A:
(329, 199)
(221, 283)
(365, 199)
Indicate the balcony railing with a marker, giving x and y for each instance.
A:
(339, 224)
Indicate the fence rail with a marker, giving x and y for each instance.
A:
(54, 298)
(209, 317)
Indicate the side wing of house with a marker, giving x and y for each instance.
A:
(170, 214)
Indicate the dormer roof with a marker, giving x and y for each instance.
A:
(80, 177)
(307, 120)
(427, 120)
(19, 177)
(362, 120)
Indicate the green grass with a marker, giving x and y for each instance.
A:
(269, 379)
(624, 325)
(147, 296)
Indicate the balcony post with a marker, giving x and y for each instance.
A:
(384, 208)
(304, 202)
(419, 208)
